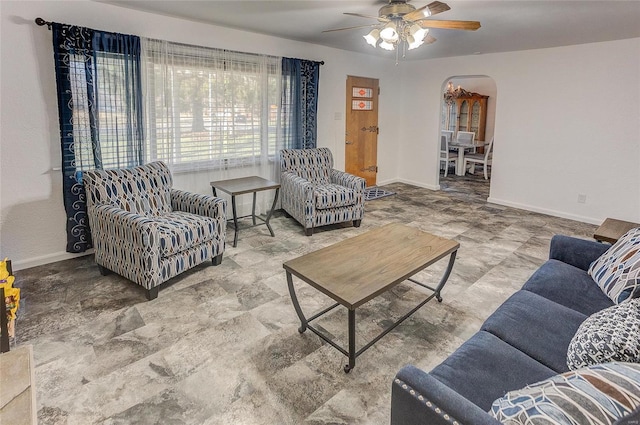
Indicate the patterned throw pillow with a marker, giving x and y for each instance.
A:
(608, 335)
(617, 271)
(599, 394)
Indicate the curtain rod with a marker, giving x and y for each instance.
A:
(41, 22)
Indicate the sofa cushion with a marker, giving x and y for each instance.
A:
(599, 394)
(617, 271)
(608, 335)
(569, 286)
(333, 196)
(180, 230)
(477, 369)
(536, 326)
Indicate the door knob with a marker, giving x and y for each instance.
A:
(348, 142)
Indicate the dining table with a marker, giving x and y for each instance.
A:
(462, 147)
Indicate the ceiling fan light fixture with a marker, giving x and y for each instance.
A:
(418, 32)
(373, 37)
(389, 33)
(386, 45)
(414, 43)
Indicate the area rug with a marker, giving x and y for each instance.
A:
(375, 192)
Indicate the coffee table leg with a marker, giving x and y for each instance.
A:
(445, 277)
(296, 304)
(352, 342)
(235, 221)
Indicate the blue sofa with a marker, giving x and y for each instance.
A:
(524, 341)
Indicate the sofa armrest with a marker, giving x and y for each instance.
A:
(418, 398)
(348, 180)
(195, 203)
(576, 252)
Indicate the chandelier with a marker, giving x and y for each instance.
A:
(451, 94)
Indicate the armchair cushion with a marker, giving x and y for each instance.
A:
(179, 231)
(143, 190)
(313, 165)
(333, 195)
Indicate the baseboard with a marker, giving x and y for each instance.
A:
(546, 211)
(412, 183)
(46, 259)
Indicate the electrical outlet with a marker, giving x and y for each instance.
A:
(582, 198)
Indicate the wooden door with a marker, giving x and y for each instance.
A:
(361, 133)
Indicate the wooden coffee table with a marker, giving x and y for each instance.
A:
(359, 269)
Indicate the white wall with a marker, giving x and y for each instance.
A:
(32, 220)
(567, 123)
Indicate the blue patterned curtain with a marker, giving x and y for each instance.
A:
(100, 113)
(300, 102)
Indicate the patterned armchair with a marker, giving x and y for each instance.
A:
(317, 195)
(148, 232)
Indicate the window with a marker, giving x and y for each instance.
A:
(210, 108)
(104, 116)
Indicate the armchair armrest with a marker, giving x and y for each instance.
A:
(418, 398)
(297, 198)
(348, 180)
(125, 225)
(195, 203)
(574, 251)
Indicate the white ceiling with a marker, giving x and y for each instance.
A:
(506, 25)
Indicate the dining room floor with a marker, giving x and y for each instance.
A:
(220, 344)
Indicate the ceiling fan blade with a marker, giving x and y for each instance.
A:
(416, 14)
(429, 39)
(437, 7)
(351, 28)
(381, 19)
(449, 25)
(433, 9)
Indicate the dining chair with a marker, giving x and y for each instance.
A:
(478, 158)
(466, 138)
(445, 155)
(449, 135)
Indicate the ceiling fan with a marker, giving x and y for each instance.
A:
(400, 23)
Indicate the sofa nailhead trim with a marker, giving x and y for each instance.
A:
(428, 403)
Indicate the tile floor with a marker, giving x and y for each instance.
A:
(220, 344)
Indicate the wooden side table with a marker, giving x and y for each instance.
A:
(612, 229)
(240, 186)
